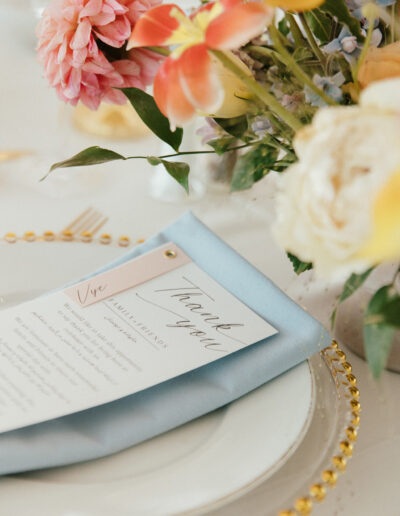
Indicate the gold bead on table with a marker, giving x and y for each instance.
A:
(339, 462)
(49, 236)
(86, 236)
(11, 238)
(318, 492)
(330, 477)
(352, 379)
(354, 392)
(140, 240)
(67, 235)
(351, 433)
(334, 344)
(355, 419)
(303, 506)
(29, 236)
(347, 448)
(356, 406)
(105, 239)
(287, 513)
(347, 367)
(124, 241)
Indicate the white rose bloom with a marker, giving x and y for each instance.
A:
(325, 205)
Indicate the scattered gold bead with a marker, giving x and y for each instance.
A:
(352, 379)
(354, 392)
(356, 406)
(351, 433)
(334, 344)
(67, 235)
(105, 238)
(318, 492)
(49, 236)
(140, 240)
(169, 253)
(341, 355)
(303, 506)
(330, 477)
(287, 513)
(11, 238)
(86, 236)
(339, 462)
(355, 421)
(124, 241)
(29, 236)
(347, 448)
(347, 367)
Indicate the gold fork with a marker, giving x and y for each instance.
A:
(85, 226)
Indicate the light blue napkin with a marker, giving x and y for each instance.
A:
(112, 427)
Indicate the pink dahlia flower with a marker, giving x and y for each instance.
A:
(82, 47)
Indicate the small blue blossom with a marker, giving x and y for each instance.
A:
(330, 86)
(345, 43)
(261, 126)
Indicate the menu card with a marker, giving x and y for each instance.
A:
(128, 329)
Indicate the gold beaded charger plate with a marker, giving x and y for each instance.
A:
(287, 440)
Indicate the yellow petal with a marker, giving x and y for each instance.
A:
(295, 5)
(384, 243)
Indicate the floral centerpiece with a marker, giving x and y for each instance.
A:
(306, 88)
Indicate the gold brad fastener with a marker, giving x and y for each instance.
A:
(169, 253)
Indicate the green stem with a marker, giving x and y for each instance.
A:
(186, 153)
(288, 60)
(364, 51)
(295, 30)
(258, 90)
(311, 39)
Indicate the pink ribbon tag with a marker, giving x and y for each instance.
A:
(136, 272)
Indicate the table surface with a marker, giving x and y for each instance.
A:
(33, 119)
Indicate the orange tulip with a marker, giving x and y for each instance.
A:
(380, 63)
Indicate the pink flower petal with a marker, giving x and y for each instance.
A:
(82, 35)
(92, 8)
(238, 25)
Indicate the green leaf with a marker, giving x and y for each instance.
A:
(284, 27)
(178, 170)
(298, 265)
(378, 340)
(222, 144)
(253, 166)
(90, 156)
(234, 126)
(380, 321)
(352, 284)
(340, 11)
(302, 54)
(320, 24)
(148, 111)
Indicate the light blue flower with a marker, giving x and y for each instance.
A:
(345, 43)
(329, 85)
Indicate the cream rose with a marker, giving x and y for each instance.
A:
(329, 206)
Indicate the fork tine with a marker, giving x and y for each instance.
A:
(103, 221)
(77, 220)
(87, 222)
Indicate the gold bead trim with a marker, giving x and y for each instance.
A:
(346, 383)
(69, 236)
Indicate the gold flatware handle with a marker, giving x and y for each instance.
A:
(8, 155)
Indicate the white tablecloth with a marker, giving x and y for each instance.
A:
(32, 118)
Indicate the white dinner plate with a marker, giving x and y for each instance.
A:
(189, 470)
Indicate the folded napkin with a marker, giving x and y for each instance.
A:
(112, 427)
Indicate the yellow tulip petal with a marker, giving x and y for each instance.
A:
(295, 5)
(384, 244)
